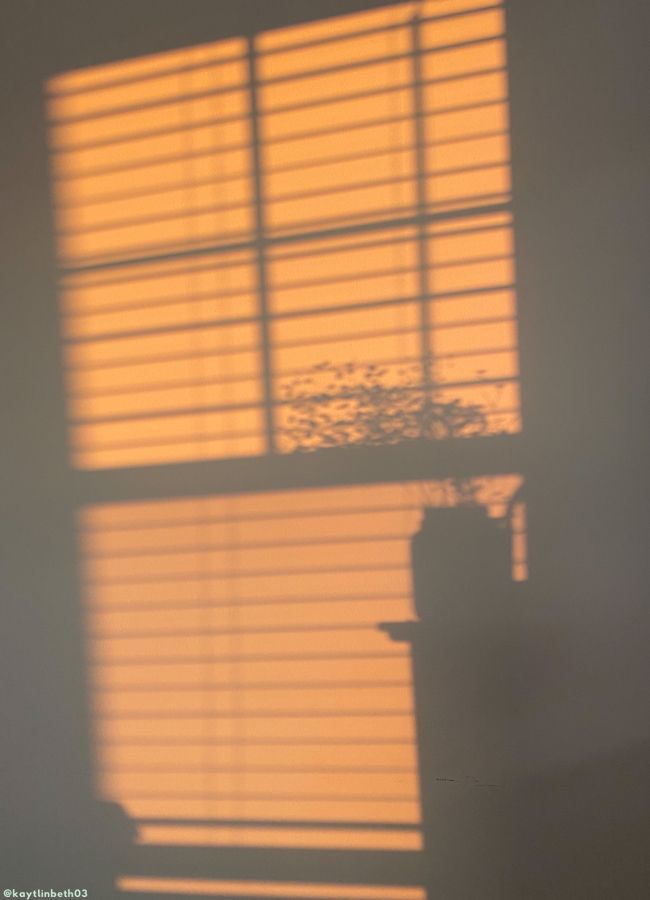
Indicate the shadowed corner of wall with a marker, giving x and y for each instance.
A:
(115, 837)
(81, 848)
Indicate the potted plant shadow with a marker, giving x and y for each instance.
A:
(460, 556)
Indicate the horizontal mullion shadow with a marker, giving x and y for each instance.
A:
(279, 316)
(407, 461)
(241, 258)
(399, 867)
(145, 254)
(191, 269)
(374, 218)
(367, 304)
(340, 187)
(340, 228)
(483, 290)
(393, 240)
(410, 298)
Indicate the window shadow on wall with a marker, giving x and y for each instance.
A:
(237, 222)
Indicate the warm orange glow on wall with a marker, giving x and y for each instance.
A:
(229, 216)
(186, 886)
(232, 214)
(243, 692)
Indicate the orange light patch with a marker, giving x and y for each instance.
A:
(238, 671)
(173, 357)
(267, 889)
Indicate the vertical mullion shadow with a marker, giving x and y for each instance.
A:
(260, 246)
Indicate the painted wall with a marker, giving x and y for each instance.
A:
(579, 148)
